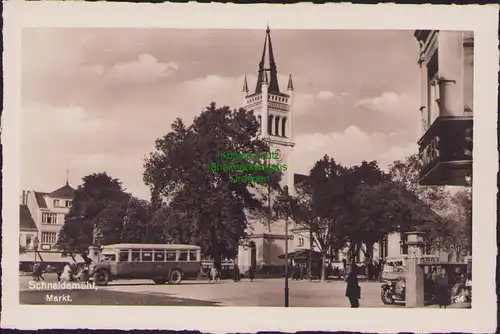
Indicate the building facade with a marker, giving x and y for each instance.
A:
(447, 74)
(47, 212)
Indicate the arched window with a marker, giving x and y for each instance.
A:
(283, 127)
(270, 124)
(277, 126)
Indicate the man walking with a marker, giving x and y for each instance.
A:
(353, 290)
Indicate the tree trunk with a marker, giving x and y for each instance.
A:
(323, 267)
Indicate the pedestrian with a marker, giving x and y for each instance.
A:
(302, 270)
(251, 273)
(66, 274)
(442, 289)
(353, 290)
(39, 272)
(214, 275)
(236, 274)
(35, 272)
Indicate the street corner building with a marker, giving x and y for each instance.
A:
(41, 219)
(447, 73)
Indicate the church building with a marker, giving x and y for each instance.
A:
(273, 108)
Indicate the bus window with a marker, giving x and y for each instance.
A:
(147, 255)
(193, 256)
(123, 256)
(171, 255)
(136, 256)
(109, 257)
(183, 256)
(159, 256)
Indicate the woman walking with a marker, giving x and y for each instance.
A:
(353, 290)
(66, 274)
(442, 289)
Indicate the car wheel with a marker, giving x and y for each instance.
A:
(101, 277)
(175, 276)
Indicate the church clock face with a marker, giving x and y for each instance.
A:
(278, 154)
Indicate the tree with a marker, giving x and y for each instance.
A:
(406, 172)
(99, 204)
(178, 175)
(356, 228)
(315, 207)
(140, 225)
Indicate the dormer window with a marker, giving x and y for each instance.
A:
(69, 204)
(57, 203)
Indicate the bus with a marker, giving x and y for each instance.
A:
(161, 263)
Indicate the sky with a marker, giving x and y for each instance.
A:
(95, 99)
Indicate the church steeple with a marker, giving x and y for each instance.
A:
(245, 86)
(267, 64)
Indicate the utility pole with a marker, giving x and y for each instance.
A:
(286, 201)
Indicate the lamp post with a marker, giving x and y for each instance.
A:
(286, 201)
(35, 246)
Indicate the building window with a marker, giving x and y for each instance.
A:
(49, 218)
(301, 242)
(49, 238)
(68, 204)
(29, 239)
(57, 203)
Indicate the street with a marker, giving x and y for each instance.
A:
(261, 292)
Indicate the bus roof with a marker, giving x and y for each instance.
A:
(151, 246)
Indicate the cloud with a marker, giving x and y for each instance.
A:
(325, 96)
(349, 147)
(390, 103)
(145, 69)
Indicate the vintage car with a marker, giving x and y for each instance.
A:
(394, 289)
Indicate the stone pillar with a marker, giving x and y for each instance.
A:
(424, 101)
(450, 73)
(265, 110)
(414, 275)
(94, 253)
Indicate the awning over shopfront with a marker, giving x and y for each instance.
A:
(48, 257)
(301, 254)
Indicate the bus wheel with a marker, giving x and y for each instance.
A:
(101, 277)
(159, 280)
(175, 276)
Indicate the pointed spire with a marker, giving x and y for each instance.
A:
(265, 79)
(245, 85)
(267, 64)
(67, 177)
(290, 83)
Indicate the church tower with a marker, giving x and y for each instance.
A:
(274, 110)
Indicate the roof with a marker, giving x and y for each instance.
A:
(26, 222)
(299, 178)
(267, 64)
(40, 200)
(151, 246)
(300, 254)
(64, 192)
(49, 257)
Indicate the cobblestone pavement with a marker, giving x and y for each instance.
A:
(260, 292)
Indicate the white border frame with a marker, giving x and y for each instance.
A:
(483, 20)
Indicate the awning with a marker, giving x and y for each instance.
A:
(48, 257)
(301, 254)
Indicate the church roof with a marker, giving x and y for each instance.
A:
(64, 192)
(268, 64)
(26, 221)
